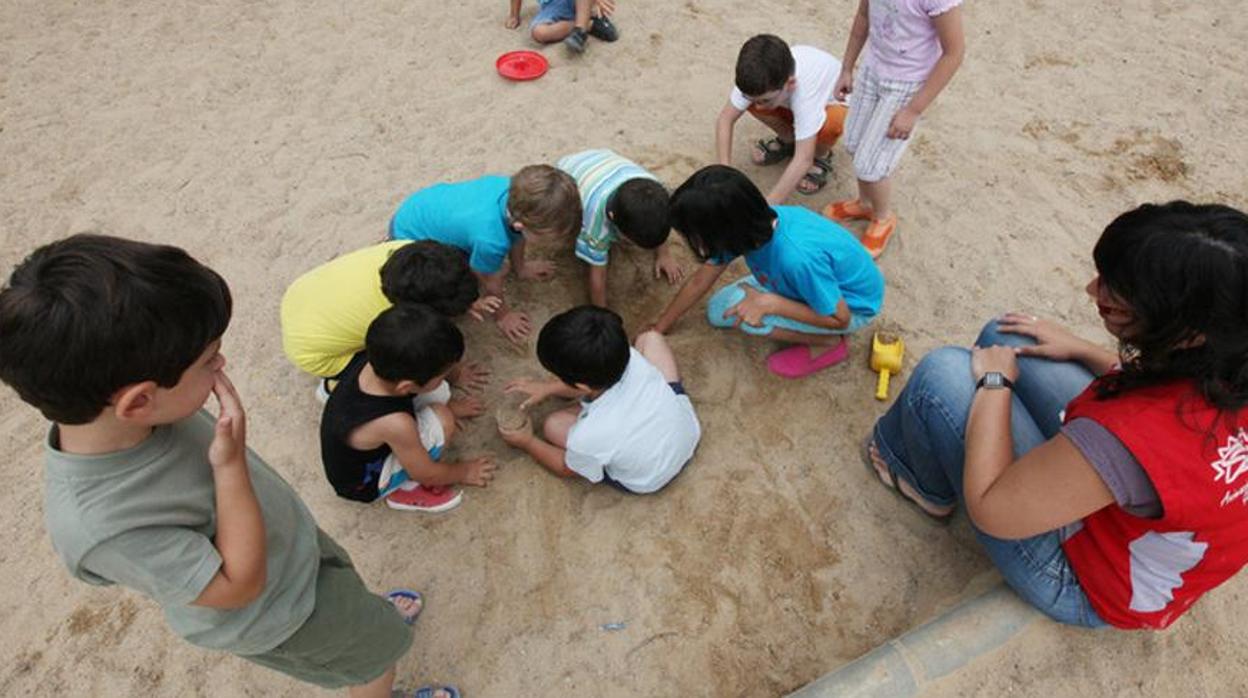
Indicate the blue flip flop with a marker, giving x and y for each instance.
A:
(428, 691)
(406, 594)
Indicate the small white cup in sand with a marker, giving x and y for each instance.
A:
(510, 417)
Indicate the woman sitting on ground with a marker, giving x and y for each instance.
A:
(1108, 488)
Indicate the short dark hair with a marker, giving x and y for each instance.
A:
(431, 273)
(411, 341)
(586, 345)
(639, 209)
(1182, 268)
(85, 316)
(764, 64)
(720, 212)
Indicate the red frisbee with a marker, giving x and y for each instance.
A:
(521, 65)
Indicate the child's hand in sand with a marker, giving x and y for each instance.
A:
(515, 326)
(518, 437)
(466, 407)
(469, 376)
(229, 443)
(536, 390)
(477, 472)
(665, 266)
(752, 309)
(604, 8)
(539, 269)
(512, 22)
(485, 305)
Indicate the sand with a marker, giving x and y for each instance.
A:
(267, 138)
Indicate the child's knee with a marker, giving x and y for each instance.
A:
(647, 341)
(446, 418)
(992, 336)
(557, 426)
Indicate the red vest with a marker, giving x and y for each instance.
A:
(1145, 573)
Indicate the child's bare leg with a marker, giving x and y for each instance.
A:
(558, 31)
(654, 347)
(552, 32)
(878, 195)
(447, 418)
(558, 424)
(819, 343)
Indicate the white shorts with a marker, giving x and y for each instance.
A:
(432, 437)
(872, 105)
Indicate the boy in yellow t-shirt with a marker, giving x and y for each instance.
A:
(326, 312)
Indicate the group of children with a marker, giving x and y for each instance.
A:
(118, 344)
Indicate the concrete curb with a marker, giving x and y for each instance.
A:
(902, 667)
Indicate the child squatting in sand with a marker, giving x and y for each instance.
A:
(634, 428)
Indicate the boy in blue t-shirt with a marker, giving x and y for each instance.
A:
(811, 281)
(118, 344)
(488, 218)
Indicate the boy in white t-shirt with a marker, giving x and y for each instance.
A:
(634, 427)
(791, 91)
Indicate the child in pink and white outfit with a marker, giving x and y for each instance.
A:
(915, 48)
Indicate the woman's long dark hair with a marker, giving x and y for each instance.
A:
(1183, 270)
(720, 212)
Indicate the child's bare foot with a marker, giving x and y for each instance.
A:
(466, 407)
(906, 490)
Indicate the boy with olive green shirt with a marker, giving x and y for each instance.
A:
(146, 490)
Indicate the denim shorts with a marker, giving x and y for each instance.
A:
(551, 11)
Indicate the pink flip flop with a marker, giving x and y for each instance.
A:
(796, 361)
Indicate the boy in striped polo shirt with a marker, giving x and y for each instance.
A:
(620, 199)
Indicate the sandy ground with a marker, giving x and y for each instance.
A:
(267, 138)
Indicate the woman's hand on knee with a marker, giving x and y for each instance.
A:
(1053, 341)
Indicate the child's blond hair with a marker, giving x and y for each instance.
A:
(545, 198)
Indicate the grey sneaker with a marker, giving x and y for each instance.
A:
(576, 40)
(603, 29)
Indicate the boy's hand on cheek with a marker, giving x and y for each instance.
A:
(229, 442)
(515, 326)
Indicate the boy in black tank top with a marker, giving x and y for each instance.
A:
(388, 422)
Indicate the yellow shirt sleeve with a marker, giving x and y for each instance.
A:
(326, 312)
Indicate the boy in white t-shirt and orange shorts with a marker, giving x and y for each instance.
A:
(634, 428)
(791, 91)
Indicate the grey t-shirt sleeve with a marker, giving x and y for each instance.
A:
(171, 565)
(1122, 473)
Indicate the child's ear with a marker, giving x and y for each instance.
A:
(611, 215)
(135, 402)
(517, 226)
(585, 389)
(791, 83)
(406, 387)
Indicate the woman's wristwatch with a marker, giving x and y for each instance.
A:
(994, 380)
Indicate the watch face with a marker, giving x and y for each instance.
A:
(994, 379)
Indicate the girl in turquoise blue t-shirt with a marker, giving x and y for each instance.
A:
(811, 281)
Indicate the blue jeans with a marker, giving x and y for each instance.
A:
(922, 437)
